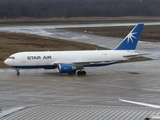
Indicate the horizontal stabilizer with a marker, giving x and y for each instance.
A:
(132, 56)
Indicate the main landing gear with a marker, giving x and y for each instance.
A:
(78, 72)
(81, 72)
(18, 73)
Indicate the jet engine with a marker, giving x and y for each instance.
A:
(66, 68)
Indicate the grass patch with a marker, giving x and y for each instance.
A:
(138, 59)
(77, 20)
(149, 33)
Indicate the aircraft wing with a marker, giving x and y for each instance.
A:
(81, 64)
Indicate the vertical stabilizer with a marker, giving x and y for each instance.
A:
(131, 40)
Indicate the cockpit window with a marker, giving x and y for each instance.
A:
(11, 57)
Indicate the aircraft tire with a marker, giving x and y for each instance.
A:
(81, 73)
(18, 73)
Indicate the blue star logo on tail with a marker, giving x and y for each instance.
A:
(130, 37)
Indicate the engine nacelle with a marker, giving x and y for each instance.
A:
(66, 68)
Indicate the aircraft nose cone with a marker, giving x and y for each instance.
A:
(6, 62)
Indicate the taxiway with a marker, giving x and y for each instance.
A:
(101, 87)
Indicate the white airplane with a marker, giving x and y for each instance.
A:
(74, 61)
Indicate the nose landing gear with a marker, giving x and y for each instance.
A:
(18, 73)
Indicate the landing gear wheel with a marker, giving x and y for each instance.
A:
(18, 73)
(81, 73)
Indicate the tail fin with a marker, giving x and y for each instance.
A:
(131, 40)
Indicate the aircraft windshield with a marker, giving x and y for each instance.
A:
(11, 57)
